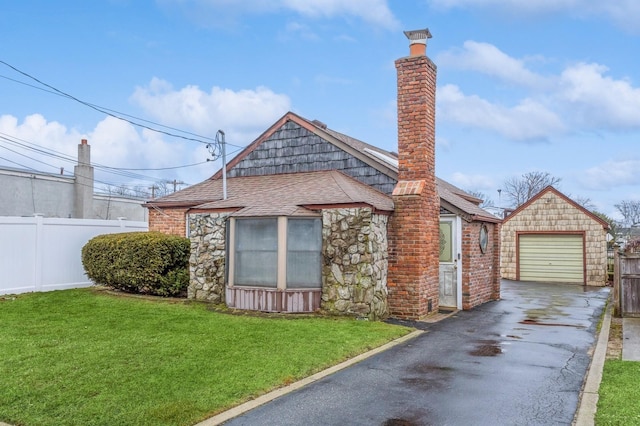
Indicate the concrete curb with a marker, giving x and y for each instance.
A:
(585, 416)
(250, 405)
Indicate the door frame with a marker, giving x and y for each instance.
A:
(456, 227)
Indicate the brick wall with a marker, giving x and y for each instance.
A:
(414, 227)
(480, 271)
(168, 221)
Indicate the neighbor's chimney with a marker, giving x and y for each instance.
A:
(414, 238)
(83, 185)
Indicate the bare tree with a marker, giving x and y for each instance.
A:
(486, 201)
(630, 211)
(585, 202)
(614, 225)
(520, 190)
(121, 190)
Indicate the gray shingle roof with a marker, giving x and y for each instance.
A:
(268, 195)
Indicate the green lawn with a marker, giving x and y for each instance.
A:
(84, 357)
(619, 400)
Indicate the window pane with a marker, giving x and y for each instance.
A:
(256, 234)
(304, 234)
(256, 252)
(446, 245)
(256, 268)
(303, 270)
(304, 243)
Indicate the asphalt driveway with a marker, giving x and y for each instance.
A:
(519, 361)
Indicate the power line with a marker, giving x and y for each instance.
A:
(108, 169)
(108, 111)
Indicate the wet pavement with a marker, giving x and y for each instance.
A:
(519, 361)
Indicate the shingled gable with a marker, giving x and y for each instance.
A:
(354, 147)
(559, 194)
(383, 164)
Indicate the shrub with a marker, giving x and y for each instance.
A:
(139, 262)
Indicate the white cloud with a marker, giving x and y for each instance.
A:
(375, 12)
(299, 30)
(473, 182)
(624, 13)
(114, 143)
(372, 11)
(35, 130)
(488, 59)
(600, 100)
(523, 7)
(526, 121)
(612, 174)
(582, 96)
(242, 114)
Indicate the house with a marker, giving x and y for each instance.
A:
(29, 193)
(315, 219)
(551, 238)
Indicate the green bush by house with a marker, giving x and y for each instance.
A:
(139, 262)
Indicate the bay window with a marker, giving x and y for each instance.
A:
(275, 252)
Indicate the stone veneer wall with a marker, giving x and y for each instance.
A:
(354, 272)
(354, 256)
(207, 232)
(551, 213)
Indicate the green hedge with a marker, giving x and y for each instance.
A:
(139, 262)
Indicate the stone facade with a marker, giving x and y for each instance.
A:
(354, 272)
(553, 213)
(354, 255)
(207, 232)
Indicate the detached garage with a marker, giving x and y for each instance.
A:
(551, 238)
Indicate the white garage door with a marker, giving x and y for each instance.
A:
(552, 258)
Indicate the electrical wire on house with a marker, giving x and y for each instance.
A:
(154, 181)
(30, 146)
(113, 113)
(212, 144)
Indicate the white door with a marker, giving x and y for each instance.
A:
(448, 263)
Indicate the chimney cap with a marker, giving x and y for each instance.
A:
(418, 35)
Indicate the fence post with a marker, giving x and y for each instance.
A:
(616, 281)
(39, 218)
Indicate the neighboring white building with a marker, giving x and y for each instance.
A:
(26, 193)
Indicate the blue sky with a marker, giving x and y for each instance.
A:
(522, 85)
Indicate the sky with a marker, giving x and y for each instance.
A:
(522, 86)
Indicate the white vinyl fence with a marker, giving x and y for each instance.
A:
(43, 254)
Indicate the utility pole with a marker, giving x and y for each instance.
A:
(176, 183)
(217, 150)
(153, 191)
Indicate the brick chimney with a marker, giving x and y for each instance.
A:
(414, 228)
